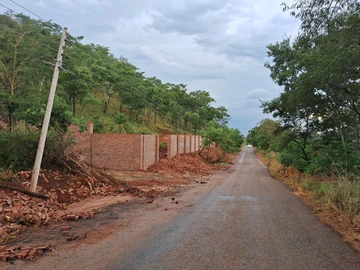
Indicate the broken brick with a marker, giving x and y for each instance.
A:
(72, 217)
(65, 228)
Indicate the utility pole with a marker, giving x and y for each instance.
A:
(45, 126)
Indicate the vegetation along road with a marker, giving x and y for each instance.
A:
(244, 220)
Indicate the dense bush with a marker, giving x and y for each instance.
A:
(230, 140)
(18, 149)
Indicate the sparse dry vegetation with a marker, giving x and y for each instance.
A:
(336, 201)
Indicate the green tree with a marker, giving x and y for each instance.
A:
(230, 140)
(22, 74)
(319, 107)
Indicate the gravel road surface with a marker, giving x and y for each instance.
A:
(247, 221)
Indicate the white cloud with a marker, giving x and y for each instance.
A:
(213, 45)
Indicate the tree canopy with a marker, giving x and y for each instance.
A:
(319, 108)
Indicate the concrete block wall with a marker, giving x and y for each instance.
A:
(196, 143)
(182, 144)
(192, 144)
(187, 144)
(172, 146)
(150, 150)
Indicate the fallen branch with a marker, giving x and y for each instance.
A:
(25, 191)
(83, 169)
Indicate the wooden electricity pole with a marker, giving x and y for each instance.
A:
(45, 126)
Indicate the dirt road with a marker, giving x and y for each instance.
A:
(246, 220)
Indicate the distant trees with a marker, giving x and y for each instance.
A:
(229, 139)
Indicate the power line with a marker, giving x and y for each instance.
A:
(11, 10)
(87, 54)
(36, 41)
(104, 76)
(33, 29)
(49, 63)
(28, 10)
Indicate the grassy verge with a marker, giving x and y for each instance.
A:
(336, 201)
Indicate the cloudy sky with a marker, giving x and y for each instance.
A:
(214, 45)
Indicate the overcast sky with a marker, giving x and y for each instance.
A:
(214, 45)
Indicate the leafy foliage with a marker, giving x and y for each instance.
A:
(318, 110)
(230, 140)
(18, 149)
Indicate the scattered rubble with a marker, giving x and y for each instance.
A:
(19, 209)
(57, 190)
(11, 253)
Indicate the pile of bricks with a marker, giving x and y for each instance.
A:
(75, 187)
(19, 210)
(22, 252)
(16, 208)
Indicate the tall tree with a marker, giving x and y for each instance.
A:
(21, 52)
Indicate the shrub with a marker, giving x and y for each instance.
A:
(98, 124)
(162, 145)
(345, 196)
(18, 150)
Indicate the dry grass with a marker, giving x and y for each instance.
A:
(335, 201)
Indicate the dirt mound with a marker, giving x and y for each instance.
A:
(213, 154)
(191, 163)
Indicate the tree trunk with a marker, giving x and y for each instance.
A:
(177, 125)
(148, 118)
(74, 106)
(107, 103)
(12, 120)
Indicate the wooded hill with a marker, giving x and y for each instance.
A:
(94, 85)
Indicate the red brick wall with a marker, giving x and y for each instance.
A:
(117, 151)
(82, 145)
(129, 151)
